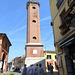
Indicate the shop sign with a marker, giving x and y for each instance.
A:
(68, 41)
(59, 51)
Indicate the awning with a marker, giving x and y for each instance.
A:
(55, 62)
(48, 62)
(68, 41)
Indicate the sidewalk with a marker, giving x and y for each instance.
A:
(48, 73)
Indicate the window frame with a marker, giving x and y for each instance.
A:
(48, 56)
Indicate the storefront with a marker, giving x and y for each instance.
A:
(68, 47)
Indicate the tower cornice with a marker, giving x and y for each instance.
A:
(32, 2)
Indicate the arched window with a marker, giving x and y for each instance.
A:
(34, 21)
(33, 7)
(34, 38)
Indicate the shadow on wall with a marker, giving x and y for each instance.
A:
(42, 62)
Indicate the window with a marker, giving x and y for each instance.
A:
(34, 21)
(55, 57)
(33, 7)
(62, 21)
(48, 56)
(34, 38)
(69, 2)
(59, 2)
(56, 0)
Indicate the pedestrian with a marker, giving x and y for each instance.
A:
(40, 70)
(36, 69)
(51, 68)
(31, 70)
(24, 70)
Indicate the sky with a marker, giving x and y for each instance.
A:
(13, 22)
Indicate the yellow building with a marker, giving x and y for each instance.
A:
(63, 22)
(50, 57)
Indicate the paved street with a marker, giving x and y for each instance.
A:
(48, 73)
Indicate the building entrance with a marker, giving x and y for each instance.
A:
(72, 55)
(70, 59)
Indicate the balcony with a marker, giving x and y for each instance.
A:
(70, 15)
(69, 19)
(59, 2)
(64, 28)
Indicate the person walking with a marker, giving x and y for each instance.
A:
(40, 70)
(51, 68)
(31, 70)
(36, 69)
(24, 70)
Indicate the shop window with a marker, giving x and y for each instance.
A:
(34, 21)
(48, 56)
(33, 7)
(34, 38)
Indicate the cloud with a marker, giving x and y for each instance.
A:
(18, 30)
(17, 25)
(46, 18)
(13, 31)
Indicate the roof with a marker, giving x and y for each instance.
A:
(6, 37)
(50, 51)
(33, 2)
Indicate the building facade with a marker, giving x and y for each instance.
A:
(19, 61)
(33, 48)
(63, 22)
(16, 62)
(50, 57)
(4, 50)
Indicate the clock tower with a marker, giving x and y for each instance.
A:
(33, 48)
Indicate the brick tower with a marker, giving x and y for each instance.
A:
(34, 48)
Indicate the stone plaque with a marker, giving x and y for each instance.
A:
(34, 51)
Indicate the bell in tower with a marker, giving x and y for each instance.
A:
(34, 48)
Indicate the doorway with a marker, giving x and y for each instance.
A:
(3, 58)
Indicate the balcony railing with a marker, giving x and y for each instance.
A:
(69, 19)
(70, 14)
(59, 3)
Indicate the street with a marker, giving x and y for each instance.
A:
(47, 73)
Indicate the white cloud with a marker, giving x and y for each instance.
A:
(17, 25)
(18, 30)
(46, 18)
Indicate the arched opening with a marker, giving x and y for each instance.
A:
(33, 7)
(34, 38)
(34, 21)
(3, 61)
